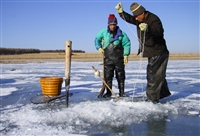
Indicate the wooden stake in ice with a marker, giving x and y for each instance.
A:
(68, 46)
(97, 73)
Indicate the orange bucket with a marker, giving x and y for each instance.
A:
(51, 85)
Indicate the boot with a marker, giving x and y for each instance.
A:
(121, 89)
(108, 93)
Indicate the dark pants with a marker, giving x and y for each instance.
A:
(114, 63)
(157, 87)
(119, 72)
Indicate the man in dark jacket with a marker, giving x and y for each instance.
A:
(116, 50)
(152, 45)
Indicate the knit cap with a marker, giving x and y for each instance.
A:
(112, 19)
(137, 9)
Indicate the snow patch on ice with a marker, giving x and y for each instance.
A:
(7, 91)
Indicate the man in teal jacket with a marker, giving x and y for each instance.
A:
(116, 50)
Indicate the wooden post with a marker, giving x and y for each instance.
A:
(68, 47)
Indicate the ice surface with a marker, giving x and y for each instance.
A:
(88, 115)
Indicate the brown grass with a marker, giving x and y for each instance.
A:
(42, 57)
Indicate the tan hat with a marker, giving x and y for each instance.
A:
(137, 9)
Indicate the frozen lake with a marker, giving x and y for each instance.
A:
(178, 114)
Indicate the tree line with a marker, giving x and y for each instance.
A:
(15, 51)
(62, 51)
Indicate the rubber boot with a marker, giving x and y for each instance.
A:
(108, 93)
(121, 89)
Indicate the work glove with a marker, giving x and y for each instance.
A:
(143, 26)
(119, 7)
(101, 50)
(125, 60)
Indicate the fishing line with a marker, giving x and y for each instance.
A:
(141, 46)
(19, 99)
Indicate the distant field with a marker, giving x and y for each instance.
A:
(42, 57)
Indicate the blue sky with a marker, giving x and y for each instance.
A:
(47, 24)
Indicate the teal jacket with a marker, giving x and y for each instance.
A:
(120, 37)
